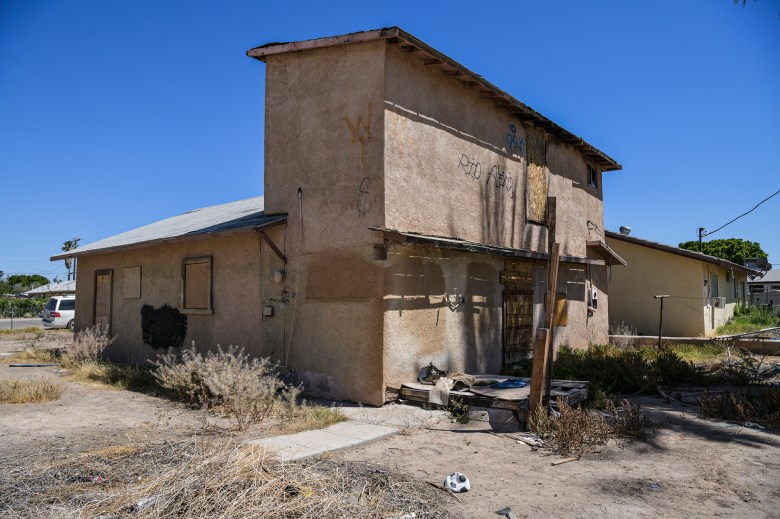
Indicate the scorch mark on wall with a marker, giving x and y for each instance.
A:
(360, 128)
(501, 179)
(513, 142)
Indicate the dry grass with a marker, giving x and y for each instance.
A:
(21, 331)
(202, 478)
(305, 417)
(33, 356)
(28, 391)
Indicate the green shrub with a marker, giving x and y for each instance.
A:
(612, 370)
(22, 307)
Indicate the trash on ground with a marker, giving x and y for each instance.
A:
(457, 482)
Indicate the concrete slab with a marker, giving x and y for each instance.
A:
(301, 445)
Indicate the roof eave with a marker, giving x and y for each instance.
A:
(683, 252)
(150, 243)
(411, 44)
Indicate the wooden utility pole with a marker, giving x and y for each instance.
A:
(660, 318)
(541, 374)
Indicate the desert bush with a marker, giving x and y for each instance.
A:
(760, 404)
(573, 431)
(622, 331)
(628, 420)
(88, 346)
(245, 388)
(32, 390)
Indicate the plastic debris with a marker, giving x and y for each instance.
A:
(457, 482)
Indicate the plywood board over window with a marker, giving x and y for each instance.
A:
(131, 283)
(196, 285)
(537, 181)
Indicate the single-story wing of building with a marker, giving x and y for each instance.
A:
(406, 219)
(703, 290)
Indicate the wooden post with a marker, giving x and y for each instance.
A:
(542, 369)
(538, 375)
(552, 283)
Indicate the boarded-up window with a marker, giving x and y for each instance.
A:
(131, 283)
(561, 316)
(196, 285)
(537, 185)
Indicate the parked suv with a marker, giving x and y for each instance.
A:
(59, 312)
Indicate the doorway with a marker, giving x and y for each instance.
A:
(517, 278)
(103, 293)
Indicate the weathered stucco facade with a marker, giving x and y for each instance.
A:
(417, 226)
(368, 139)
(703, 290)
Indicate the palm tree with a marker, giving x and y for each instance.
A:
(69, 246)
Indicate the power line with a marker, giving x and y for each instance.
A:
(743, 214)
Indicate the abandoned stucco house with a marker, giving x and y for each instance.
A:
(703, 290)
(404, 222)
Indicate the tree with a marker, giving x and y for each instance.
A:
(69, 246)
(731, 249)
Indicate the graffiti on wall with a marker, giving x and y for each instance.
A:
(500, 179)
(513, 141)
(364, 198)
(360, 129)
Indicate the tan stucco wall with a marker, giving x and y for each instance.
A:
(652, 272)
(236, 281)
(324, 135)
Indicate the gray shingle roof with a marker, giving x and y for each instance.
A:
(217, 218)
(773, 276)
(53, 288)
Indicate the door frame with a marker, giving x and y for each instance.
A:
(110, 274)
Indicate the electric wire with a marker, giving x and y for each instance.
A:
(743, 214)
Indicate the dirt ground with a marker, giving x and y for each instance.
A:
(690, 467)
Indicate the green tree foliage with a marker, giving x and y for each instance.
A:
(731, 249)
(26, 282)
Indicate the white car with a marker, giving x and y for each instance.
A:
(59, 312)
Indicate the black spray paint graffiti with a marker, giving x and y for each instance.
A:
(513, 142)
(364, 198)
(470, 167)
(500, 179)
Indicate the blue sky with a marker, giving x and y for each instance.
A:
(117, 114)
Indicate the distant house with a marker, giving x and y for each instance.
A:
(703, 289)
(765, 290)
(53, 289)
(405, 221)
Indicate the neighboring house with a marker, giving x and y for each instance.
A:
(765, 290)
(769, 282)
(404, 222)
(703, 289)
(53, 289)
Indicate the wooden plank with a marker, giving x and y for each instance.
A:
(539, 368)
(273, 246)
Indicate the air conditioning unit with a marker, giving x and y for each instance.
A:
(719, 302)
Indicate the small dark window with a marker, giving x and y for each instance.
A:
(68, 304)
(51, 304)
(593, 177)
